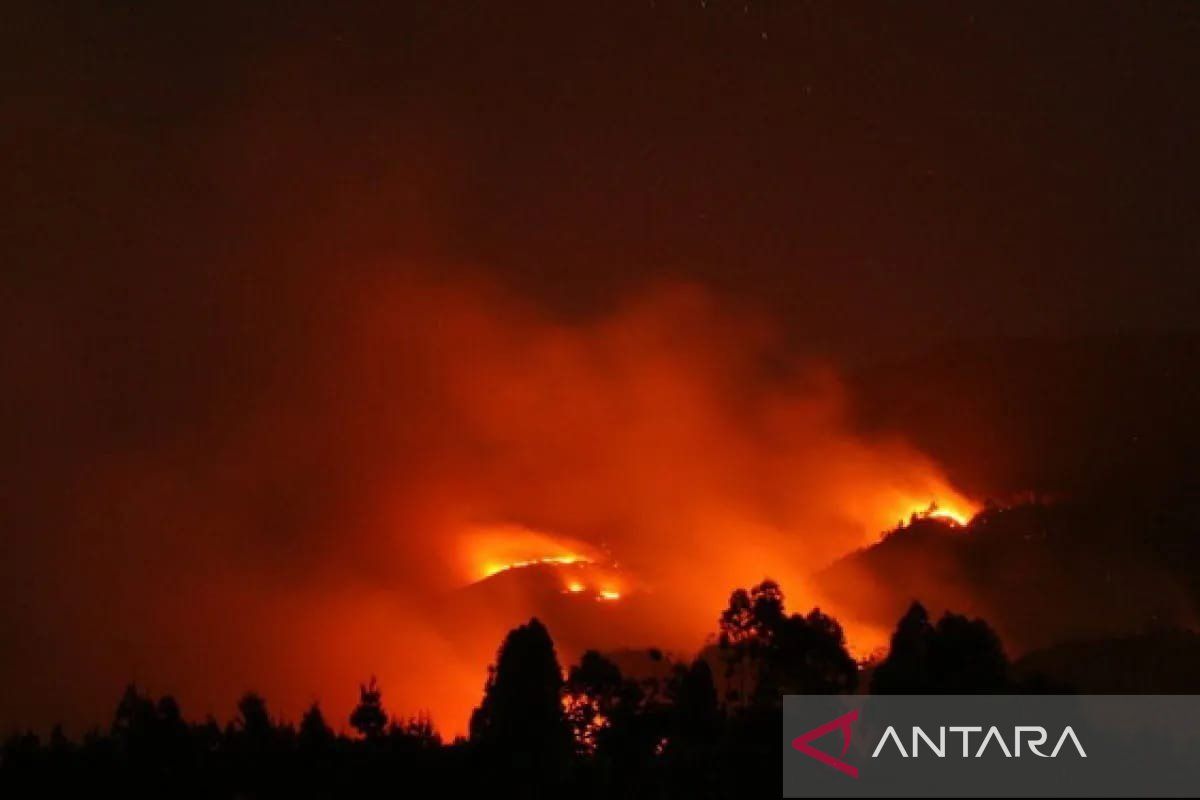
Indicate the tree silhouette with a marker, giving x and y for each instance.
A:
(368, 717)
(753, 615)
(742, 636)
(593, 690)
(135, 722)
(254, 721)
(737, 620)
(315, 734)
(958, 655)
(769, 653)
(252, 743)
(521, 722)
(808, 655)
(415, 733)
(906, 668)
(601, 732)
(967, 656)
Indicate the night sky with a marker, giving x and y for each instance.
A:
(880, 175)
(983, 217)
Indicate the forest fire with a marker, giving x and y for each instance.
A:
(491, 569)
(583, 570)
(346, 343)
(605, 593)
(491, 550)
(624, 471)
(580, 568)
(956, 517)
(959, 515)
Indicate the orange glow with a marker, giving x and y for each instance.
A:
(490, 569)
(503, 443)
(960, 514)
(491, 550)
(957, 517)
(585, 718)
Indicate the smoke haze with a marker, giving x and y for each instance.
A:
(306, 318)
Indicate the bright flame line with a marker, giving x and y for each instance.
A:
(954, 517)
(562, 560)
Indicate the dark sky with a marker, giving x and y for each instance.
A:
(876, 174)
(889, 183)
(252, 251)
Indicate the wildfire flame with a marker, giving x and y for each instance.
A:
(606, 585)
(503, 548)
(958, 515)
(491, 550)
(496, 549)
(494, 569)
(954, 516)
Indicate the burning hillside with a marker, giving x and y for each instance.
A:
(426, 436)
(580, 568)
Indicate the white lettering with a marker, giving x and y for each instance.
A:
(1033, 743)
(1033, 735)
(965, 730)
(939, 749)
(993, 734)
(883, 739)
(1068, 733)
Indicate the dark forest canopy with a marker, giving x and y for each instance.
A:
(1036, 569)
(286, 289)
(591, 730)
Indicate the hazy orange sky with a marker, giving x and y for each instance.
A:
(295, 304)
(306, 537)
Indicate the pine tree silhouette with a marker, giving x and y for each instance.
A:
(521, 725)
(368, 717)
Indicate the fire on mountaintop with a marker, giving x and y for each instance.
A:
(579, 566)
(658, 455)
(488, 547)
(960, 516)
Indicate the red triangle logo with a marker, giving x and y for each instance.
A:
(843, 724)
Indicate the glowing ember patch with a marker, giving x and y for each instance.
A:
(952, 516)
(958, 513)
(491, 550)
(494, 569)
(571, 567)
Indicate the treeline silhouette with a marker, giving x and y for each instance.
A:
(1036, 570)
(709, 729)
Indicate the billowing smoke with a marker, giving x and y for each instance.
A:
(312, 320)
(263, 426)
(284, 496)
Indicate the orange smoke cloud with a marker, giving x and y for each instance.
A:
(670, 434)
(488, 551)
(415, 437)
